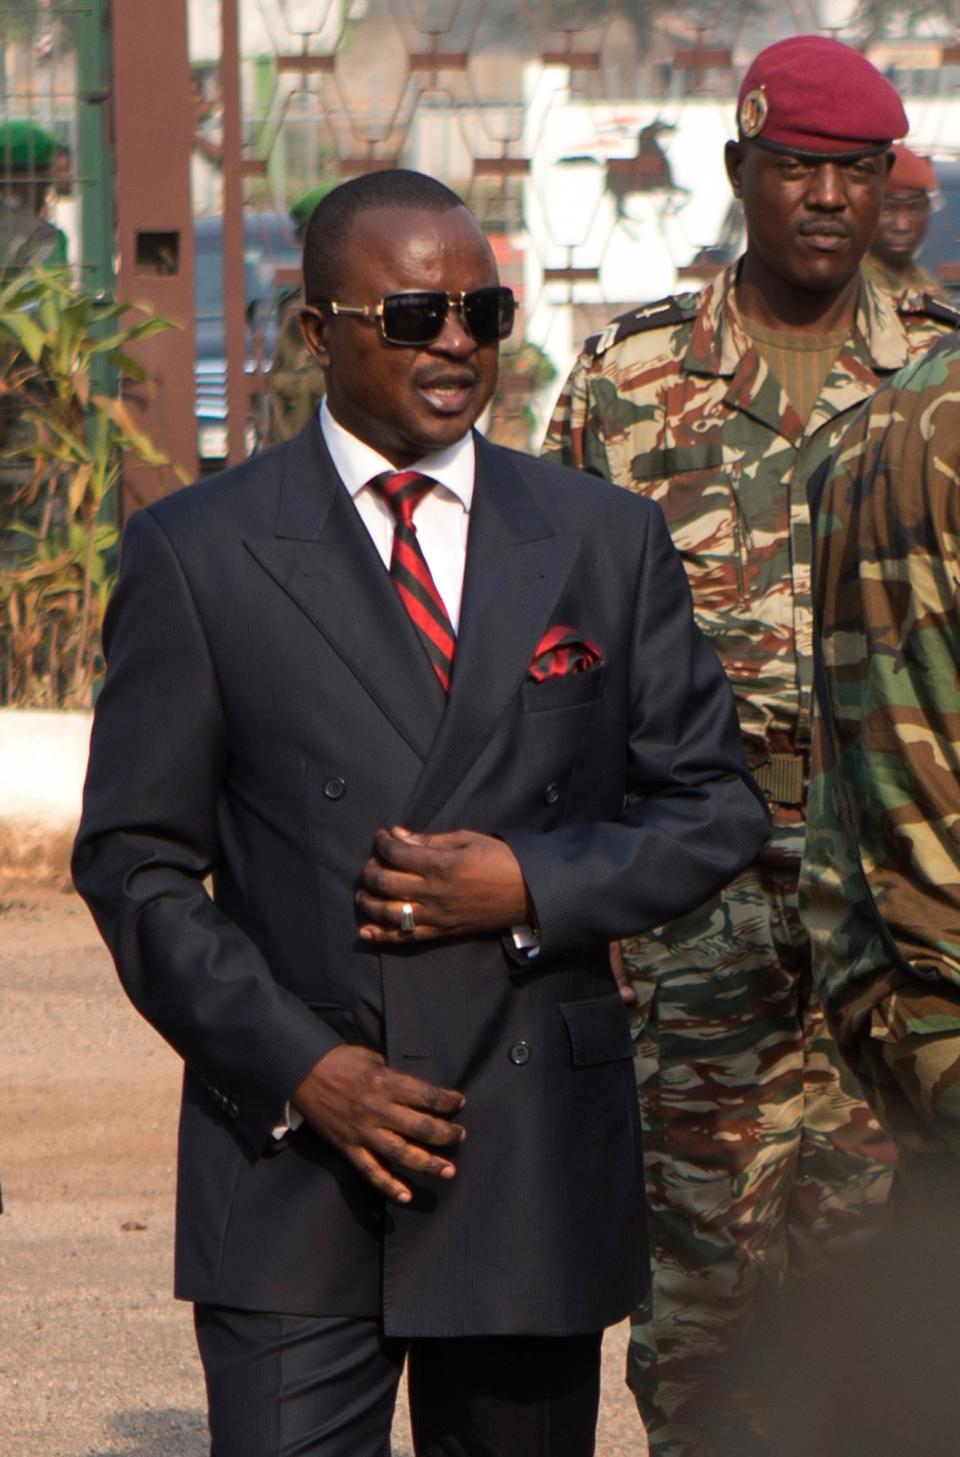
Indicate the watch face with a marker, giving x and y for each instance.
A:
(753, 113)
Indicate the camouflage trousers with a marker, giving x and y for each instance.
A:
(908, 1058)
(761, 1155)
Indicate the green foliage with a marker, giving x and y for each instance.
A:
(524, 371)
(62, 445)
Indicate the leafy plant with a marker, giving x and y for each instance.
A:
(62, 444)
(524, 371)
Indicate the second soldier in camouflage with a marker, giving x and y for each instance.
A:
(761, 1152)
(881, 882)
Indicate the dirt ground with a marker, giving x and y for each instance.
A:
(96, 1359)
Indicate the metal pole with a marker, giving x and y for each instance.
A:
(234, 279)
(153, 142)
(93, 163)
(93, 171)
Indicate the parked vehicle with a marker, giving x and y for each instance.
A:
(269, 247)
(940, 253)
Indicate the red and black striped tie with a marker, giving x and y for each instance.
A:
(403, 493)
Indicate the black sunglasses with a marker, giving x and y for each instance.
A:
(418, 318)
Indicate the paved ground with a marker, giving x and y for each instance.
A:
(96, 1360)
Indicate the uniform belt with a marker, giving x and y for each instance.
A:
(783, 778)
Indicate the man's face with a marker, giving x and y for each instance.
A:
(60, 172)
(810, 222)
(902, 227)
(407, 401)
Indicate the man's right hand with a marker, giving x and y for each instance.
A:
(380, 1119)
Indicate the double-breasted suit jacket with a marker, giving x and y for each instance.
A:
(267, 707)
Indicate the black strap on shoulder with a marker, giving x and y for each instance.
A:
(935, 308)
(664, 314)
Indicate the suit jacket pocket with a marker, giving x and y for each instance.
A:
(567, 692)
(599, 1030)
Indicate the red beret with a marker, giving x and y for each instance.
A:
(910, 172)
(814, 94)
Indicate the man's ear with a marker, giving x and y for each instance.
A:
(313, 326)
(733, 161)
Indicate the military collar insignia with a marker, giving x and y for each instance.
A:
(679, 309)
(754, 110)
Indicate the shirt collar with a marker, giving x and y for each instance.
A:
(719, 343)
(358, 463)
(881, 327)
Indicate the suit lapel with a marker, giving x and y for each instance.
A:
(517, 566)
(322, 556)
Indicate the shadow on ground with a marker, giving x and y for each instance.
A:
(169, 1433)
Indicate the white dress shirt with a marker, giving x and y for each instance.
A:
(442, 518)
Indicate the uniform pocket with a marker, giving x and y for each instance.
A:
(700, 496)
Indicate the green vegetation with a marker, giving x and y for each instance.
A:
(62, 446)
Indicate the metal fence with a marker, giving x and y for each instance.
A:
(55, 74)
(587, 135)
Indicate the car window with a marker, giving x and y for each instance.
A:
(209, 274)
(941, 249)
(269, 244)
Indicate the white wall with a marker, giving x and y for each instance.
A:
(43, 760)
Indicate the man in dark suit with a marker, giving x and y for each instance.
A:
(409, 1121)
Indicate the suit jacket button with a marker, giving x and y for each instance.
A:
(335, 789)
(520, 1053)
(551, 794)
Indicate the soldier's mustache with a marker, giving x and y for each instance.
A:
(825, 227)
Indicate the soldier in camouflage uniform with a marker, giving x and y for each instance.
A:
(296, 379)
(27, 239)
(760, 1149)
(881, 877)
(904, 219)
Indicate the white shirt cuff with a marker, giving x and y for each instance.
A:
(292, 1121)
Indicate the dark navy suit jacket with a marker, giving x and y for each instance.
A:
(267, 706)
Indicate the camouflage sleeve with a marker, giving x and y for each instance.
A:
(296, 379)
(887, 575)
(564, 441)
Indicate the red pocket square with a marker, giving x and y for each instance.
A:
(560, 652)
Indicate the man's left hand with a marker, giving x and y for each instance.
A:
(456, 884)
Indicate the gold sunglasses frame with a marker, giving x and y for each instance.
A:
(373, 313)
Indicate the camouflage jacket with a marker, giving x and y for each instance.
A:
(914, 276)
(674, 401)
(886, 769)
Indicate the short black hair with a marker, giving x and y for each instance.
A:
(332, 218)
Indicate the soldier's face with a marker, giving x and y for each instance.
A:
(810, 222)
(407, 401)
(902, 227)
